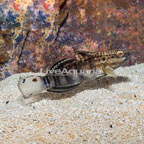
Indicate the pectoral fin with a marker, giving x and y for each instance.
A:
(109, 71)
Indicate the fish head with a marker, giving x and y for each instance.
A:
(115, 59)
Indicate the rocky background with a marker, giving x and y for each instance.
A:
(34, 34)
(96, 25)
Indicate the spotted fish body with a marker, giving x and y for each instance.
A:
(94, 60)
(89, 65)
(104, 62)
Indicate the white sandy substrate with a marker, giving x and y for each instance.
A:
(108, 111)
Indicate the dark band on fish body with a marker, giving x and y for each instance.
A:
(46, 81)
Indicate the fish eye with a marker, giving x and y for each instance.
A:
(120, 53)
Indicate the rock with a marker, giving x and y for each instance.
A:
(47, 31)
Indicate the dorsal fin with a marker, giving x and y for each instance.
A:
(84, 53)
(61, 63)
